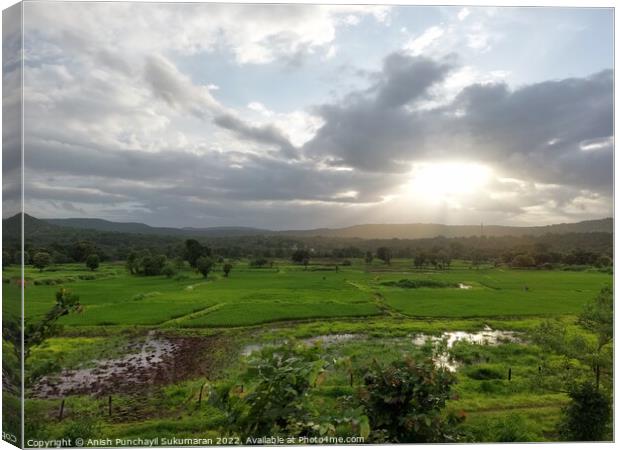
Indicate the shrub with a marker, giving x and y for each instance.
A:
(92, 261)
(169, 270)
(587, 416)
(485, 373)
(415, 284)
(282, 378)
(405, 400)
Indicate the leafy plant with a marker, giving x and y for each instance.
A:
(587, 416)
(275, 403)
(404, 402)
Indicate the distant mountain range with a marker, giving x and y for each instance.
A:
(369, 231)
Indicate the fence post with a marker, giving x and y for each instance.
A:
(202, 386)
(509, 373)
(62, 410)
(110, 405)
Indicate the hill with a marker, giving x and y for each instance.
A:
(141, 228)
(423, 230)
(369, 231)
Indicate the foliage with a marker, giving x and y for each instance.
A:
(260, 262)
(384, 254)
(405, 401)
(523, 261)
(85, 427)
(194, 250)
(227, 267)
(301, 256)
(588, 415)
(598, 317)
(36, 333)
(204, 264)
(92, 261)
(144, 263)
(276, 403)
(41, 260)
(169, 270)
(415, 284)
(485, 373)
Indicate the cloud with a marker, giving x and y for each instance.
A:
(416, 46)
(254, 34)
(124, 130)
(488, 122)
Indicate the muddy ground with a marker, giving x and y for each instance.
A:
(157, 361)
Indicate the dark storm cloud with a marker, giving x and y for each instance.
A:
(533, 131)
(405, 78)
(265, 134)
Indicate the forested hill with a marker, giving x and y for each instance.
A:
(423, 230)
(370, 231)
(68, 244)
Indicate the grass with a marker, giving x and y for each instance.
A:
(276, 304)
(110, 296)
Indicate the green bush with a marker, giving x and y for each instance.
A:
(405, 400)
(485, 373)
(416, 284)
(588, 415)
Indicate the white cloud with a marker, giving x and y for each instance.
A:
(421, 43)
(463, 13)
(254, 34)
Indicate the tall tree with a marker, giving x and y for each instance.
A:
(194, 250)
(384, 254)
(41, 260)
(204, 264)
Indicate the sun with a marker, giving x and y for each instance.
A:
(446, 181)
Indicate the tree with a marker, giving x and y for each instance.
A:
(604, 261)
(384, 254)
(369, 257)
(405, 400)
(523, 261)
(194, 250)
(204, 264)
(35, 333)
(227, 268)
(169, 270)
(41, 260)
(80, 250)
(419, 260)
(18, 257)
(92, 261)
(151, 265)
(443, 259)
(132, 260)
(6, 259)
(597, 317)
(301, 256)
(587, 416)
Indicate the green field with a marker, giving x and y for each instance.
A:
(286, 301)
(288, 292)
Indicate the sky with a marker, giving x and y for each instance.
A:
(304, 116)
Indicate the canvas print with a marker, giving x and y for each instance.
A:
(244, 224)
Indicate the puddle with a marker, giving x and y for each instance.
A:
(324, 339)
(487, 336)
(158, 360)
